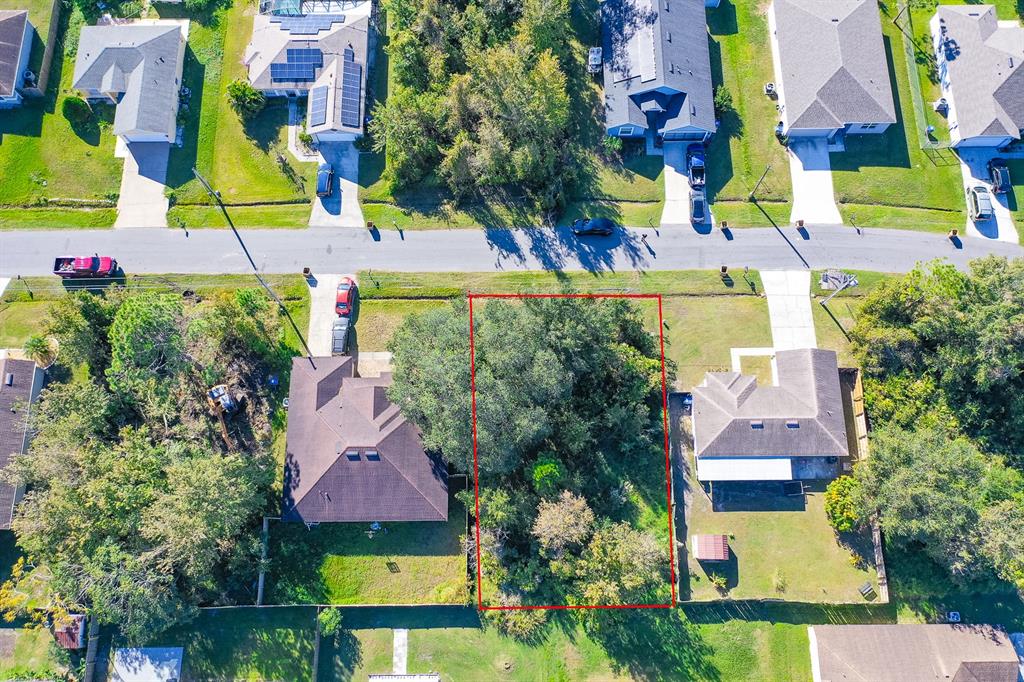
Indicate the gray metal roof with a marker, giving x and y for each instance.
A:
(833, 65)
(332, 412)
(913, 653)
(12, 40)
(984, 62)
(143, 63)
(14, 404)
(801, 417)
(651, 45)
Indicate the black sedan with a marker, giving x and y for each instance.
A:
(582, 227)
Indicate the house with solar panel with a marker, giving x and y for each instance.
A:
(320, 50)
(657, 70)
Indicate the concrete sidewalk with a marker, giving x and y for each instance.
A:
(814, 199)
(789, 307)
(400, 652)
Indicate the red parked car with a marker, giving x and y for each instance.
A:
(87, 266)
(347, 292)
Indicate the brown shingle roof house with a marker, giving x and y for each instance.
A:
(351, 454)
(20, 383)
(911, 653)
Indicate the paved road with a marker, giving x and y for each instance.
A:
(146, 250)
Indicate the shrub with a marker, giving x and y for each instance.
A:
(76, 110)
(720, 582)
(521, 624)
(779, 581)
(723, 100)
(245, 99)
(840, 504)
(547, 476)
(611, 146)
(305, 139)
(330, 621)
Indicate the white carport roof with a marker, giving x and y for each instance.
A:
(744, 469)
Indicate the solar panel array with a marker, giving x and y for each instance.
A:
(351, 77)
(300, 67)
(309, 24)
(318, 106)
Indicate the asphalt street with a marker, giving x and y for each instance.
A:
(162, 250)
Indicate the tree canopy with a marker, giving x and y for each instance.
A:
(136, 508)
(569, 442)
(480, 93)
(943, 354)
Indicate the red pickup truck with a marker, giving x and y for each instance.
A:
(86, 266)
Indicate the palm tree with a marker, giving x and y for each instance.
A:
(38, 348)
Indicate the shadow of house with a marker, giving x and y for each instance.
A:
(657, 71)
(351, 456)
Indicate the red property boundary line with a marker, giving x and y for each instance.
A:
(668, 467)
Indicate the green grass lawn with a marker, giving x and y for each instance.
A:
(884, 180)
(27, 653)
(745, 143)
(336, 563)
(760, 366)
(700, 331)
(379, 318)
(781, 549)
(18, 321)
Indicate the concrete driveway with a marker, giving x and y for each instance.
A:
(143, 179)
(323, 291)
(789, 308)
(341, 209)
(974, 169)
(677, 190)
(814, 199)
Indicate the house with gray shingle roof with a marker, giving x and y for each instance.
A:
(743, 431)
(832, 76)
(981, 71)
(137, 66)
(657, 70)
(912, 653)
(15, 49)
(20, 383)
(351, 455)
(323, 55)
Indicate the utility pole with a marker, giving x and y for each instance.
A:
(216, 195)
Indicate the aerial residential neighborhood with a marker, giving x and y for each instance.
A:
(417, 341)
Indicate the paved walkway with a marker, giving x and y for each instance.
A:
(323, 293)
(789, 306)
(814, 199)
(140, 251)
(974, 169)
(142, 202)
(400, 653)
(341, 209)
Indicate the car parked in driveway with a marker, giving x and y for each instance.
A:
(979, 203)
(999, 173)
(347, 292)
(695, 164)
(698, 206)
(324, 180)
(602, 227)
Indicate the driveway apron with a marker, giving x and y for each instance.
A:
(400, 652)
(974, 169)
(813, 196)
(789, 307)
(341, 208)
(142, 202)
